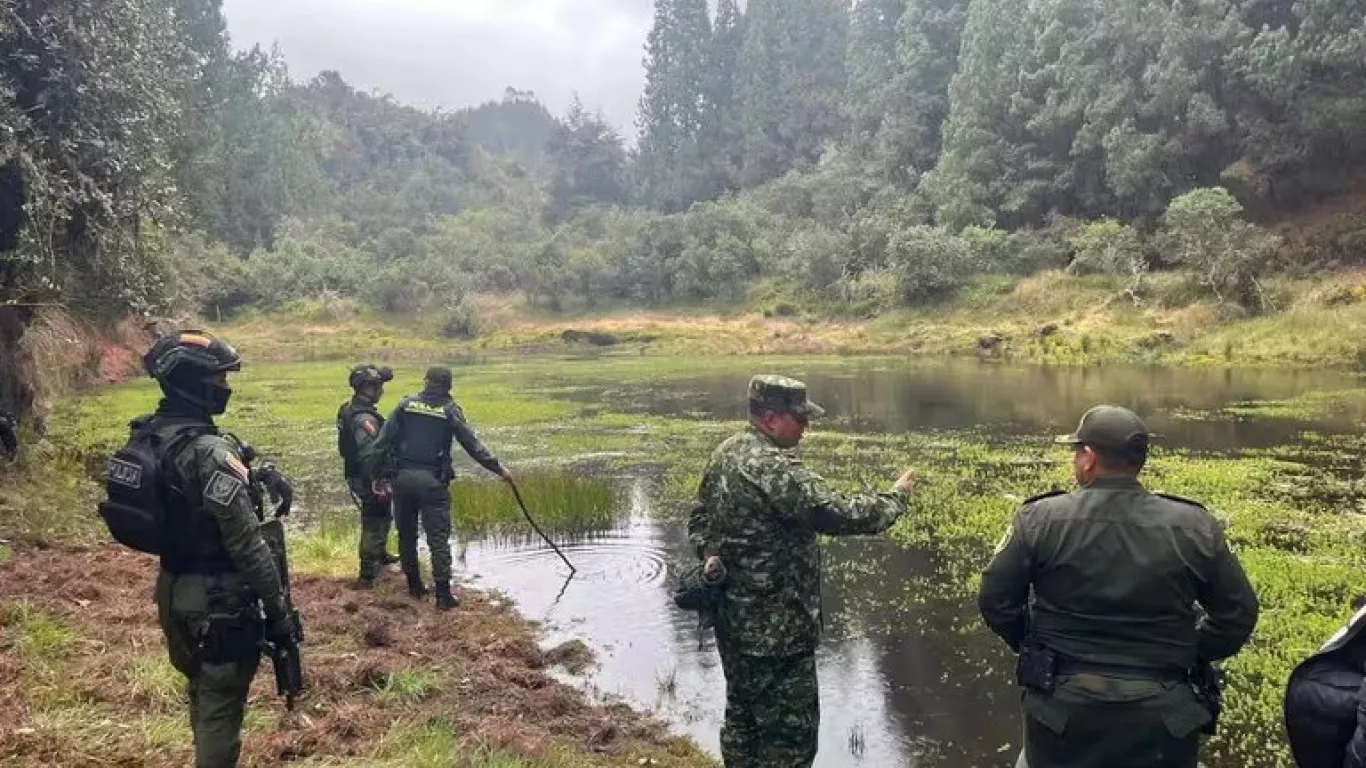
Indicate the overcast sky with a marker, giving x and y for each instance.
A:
(455, 53)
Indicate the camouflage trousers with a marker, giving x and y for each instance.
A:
(217, 692)
(375, 517)
(419, 497)
(1091, 721)
(772, 710)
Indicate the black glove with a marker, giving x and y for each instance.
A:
(281, 492)
(283, 632)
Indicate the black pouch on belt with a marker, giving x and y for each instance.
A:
(1037, 667)
(232, 637)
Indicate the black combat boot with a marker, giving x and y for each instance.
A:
(416, 588)
(444, 599)
(366, 582)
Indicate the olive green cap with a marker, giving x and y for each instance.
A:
(783, 395)
(1109, 426)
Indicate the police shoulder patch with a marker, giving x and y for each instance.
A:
(222, 488)
(369, 425)
(1045, 495)
(1180, 499)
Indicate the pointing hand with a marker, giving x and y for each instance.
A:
(907, 482)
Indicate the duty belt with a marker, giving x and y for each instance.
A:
(413, 464)
(1122, 671)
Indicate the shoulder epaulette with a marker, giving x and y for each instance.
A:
(1045, 495)
(1181, 499)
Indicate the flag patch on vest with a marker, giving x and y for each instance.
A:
(222, 488)
(237, 467)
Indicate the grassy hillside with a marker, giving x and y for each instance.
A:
(1052, 318)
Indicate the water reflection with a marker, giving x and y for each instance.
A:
(906, 679)
(893, 692)
(1178, 404)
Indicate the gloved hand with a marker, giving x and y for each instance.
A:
(381, 487)
(284, 631)
(281, 492)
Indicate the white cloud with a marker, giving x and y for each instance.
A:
(454, 53)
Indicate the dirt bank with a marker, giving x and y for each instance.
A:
(85, 681)
(47, 352)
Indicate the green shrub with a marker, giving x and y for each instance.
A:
(930, 262)
(1204, 231)
(459, 319)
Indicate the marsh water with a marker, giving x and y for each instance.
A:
(907, 678)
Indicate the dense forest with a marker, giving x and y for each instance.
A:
(864, 155)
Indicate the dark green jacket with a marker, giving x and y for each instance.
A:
(358, 425)
(223, 522)
(760, 511)
(1116, 573)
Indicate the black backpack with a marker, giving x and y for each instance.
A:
(137, 484)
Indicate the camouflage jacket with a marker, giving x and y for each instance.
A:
(760, 511)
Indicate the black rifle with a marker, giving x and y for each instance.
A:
(289, 669)
(284, 656)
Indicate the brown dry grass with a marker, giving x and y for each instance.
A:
(92, 700)
(60, 353)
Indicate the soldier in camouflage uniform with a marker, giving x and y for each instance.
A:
(219, 577)
(759, 513)
(358, 425)
(1100, 588)
(413, 452)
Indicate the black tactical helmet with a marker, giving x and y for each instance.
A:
(362, 375)
(184, 363)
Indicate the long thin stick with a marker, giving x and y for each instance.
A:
(518, 495)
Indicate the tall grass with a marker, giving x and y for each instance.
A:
(557, 502)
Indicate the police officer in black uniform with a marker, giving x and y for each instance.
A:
(358, 425)
(1325, 702)
(219, 592)
(414, 452)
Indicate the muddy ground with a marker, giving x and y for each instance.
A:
(79, 641)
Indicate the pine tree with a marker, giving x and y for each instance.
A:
(587, 162)
(792, 81)
(986, 146)
(722, 136)
(929, 37)
(873, 66)
(673, 109)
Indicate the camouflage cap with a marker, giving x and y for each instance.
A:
(1109, 426)
(782, 394)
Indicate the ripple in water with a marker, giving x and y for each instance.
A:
(613, 558)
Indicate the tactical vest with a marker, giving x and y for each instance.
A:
(426, 434)
(346, 435)
(198, 544)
